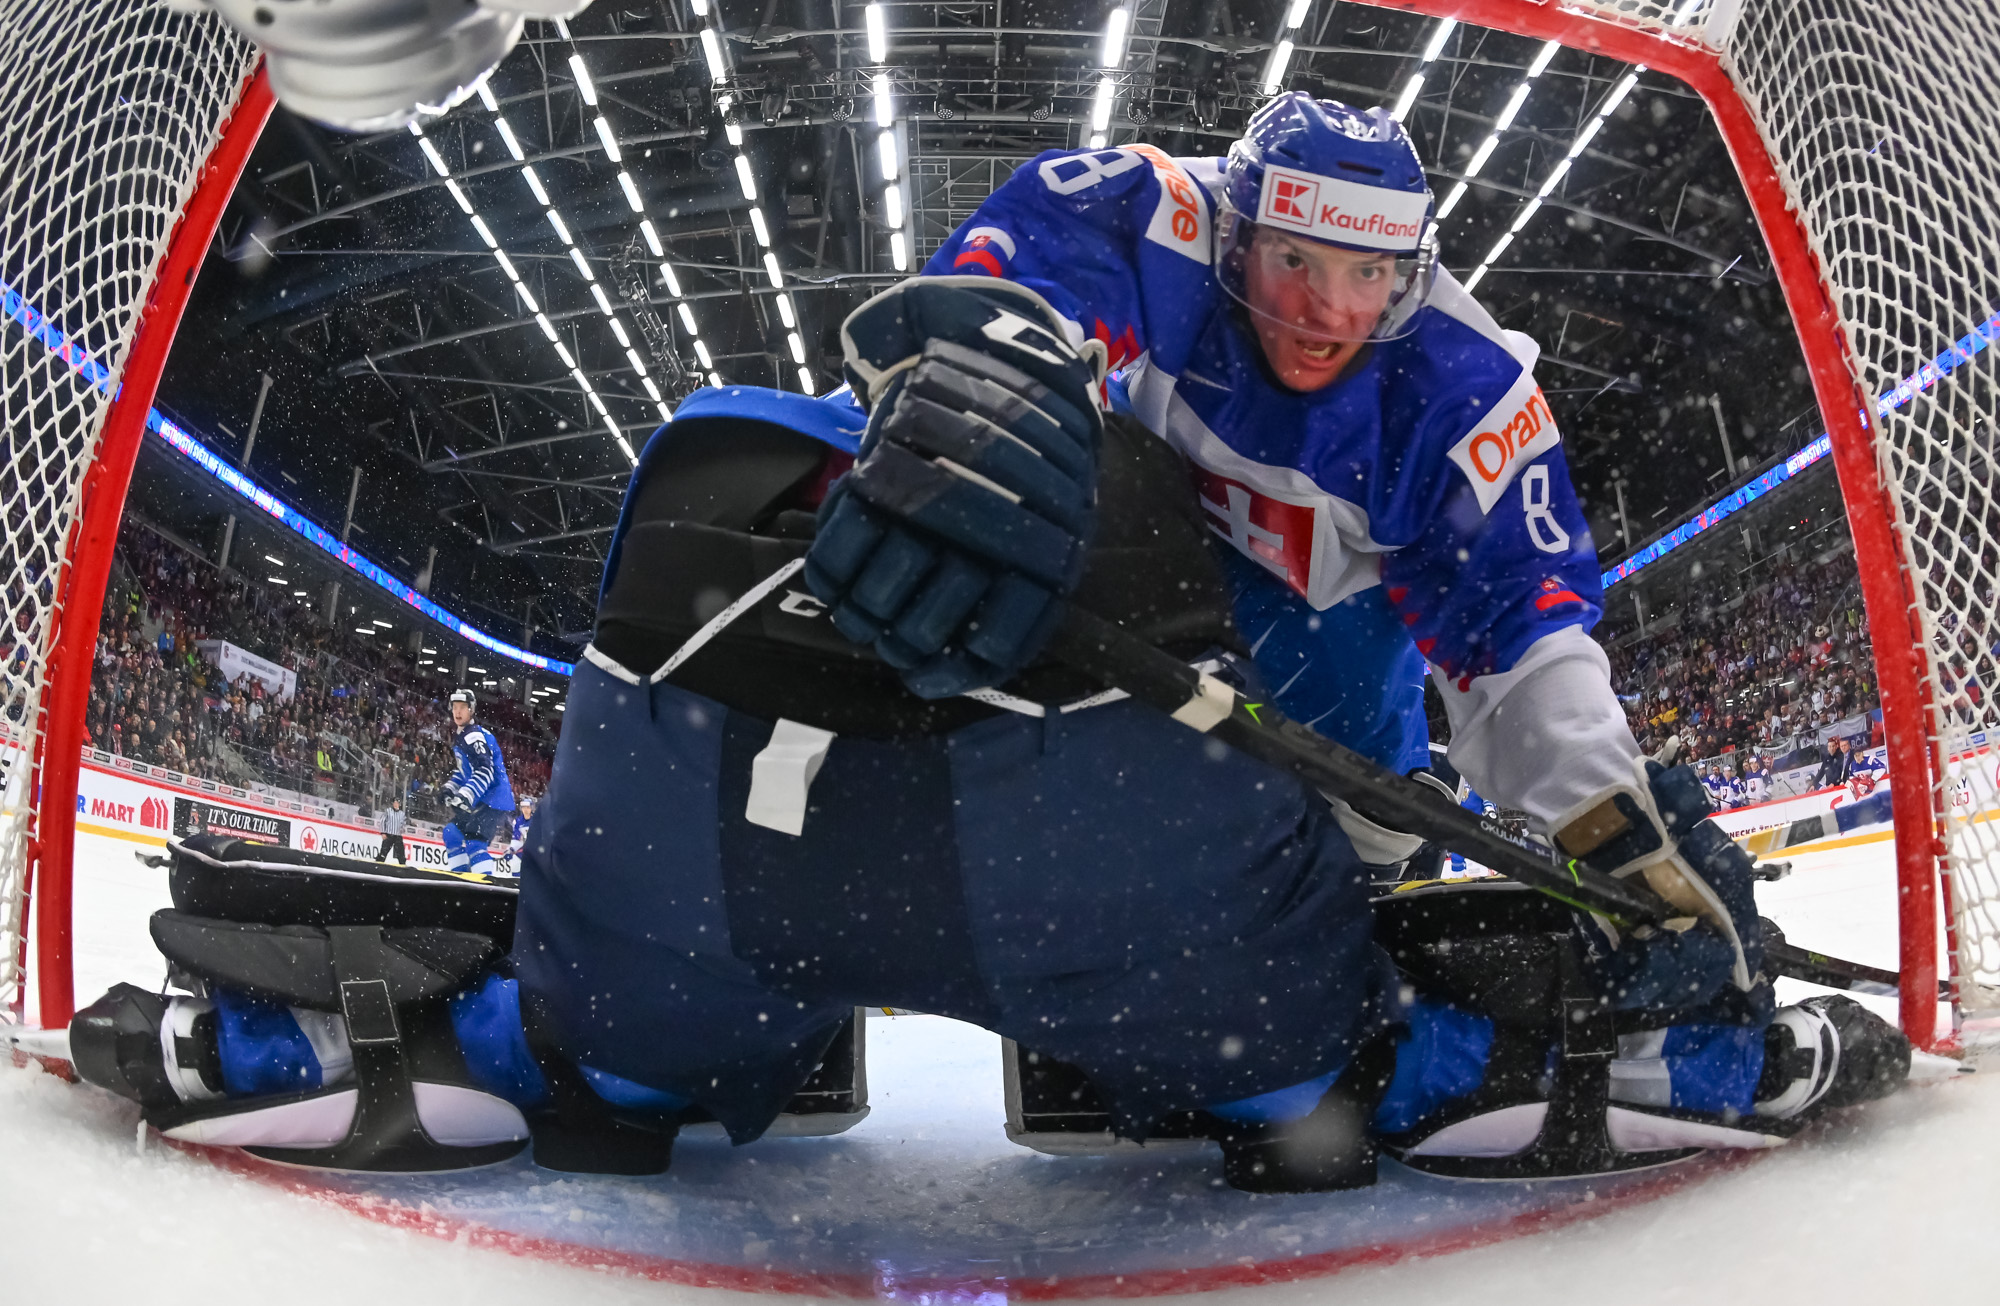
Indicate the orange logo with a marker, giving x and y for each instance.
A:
(1491, 450)
(1521, 428)
(1184, 221)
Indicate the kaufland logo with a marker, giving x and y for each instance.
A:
(1346, 212)
(1290, 199)
(154, 814)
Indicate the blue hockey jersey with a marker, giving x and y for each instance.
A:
(1434, 468)
(482, 773)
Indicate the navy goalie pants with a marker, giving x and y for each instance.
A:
(1186, 925)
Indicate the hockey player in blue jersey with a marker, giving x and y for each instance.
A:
(882, 793)
(478, 796)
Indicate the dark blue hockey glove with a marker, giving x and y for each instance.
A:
(1663, 834)
(973, 501)
(456, 801)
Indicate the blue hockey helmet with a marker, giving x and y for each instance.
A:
(1326, 224)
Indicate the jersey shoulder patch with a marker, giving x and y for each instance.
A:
(1180, 219)
(1516, 430)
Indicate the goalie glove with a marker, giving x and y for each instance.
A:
(973, 501)
(1657, 828)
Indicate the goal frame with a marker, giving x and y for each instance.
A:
(47, 887)
(1848, 409)
(1851, 416)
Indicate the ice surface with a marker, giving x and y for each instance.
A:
(928, 1190)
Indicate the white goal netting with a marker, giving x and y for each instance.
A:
(1879, 119)
(108, 109)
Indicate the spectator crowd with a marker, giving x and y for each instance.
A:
(156, 699)
(1748, 684)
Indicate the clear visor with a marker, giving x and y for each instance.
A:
(1323, 292)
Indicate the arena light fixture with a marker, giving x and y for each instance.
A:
(1117, 26)
(1281, 61)
(1576, 149)
(507, 138)
(1515, 100)
(584, 87)
(605, 138)
(711, 50)
(487, 237)
(878, 34)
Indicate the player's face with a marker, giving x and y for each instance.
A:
(1313, 304)
(461, 713)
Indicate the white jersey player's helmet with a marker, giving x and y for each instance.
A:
(368, 65)
(1326, 226)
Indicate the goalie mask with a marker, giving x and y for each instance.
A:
(1326, 229)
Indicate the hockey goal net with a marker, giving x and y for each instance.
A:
(123, 126)
(1857, 127)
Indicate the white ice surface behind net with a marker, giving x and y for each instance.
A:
(1851, 1216)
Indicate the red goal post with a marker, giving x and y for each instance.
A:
(123, 131)
(1848, 122)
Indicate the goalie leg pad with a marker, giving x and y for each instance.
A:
(380, 994)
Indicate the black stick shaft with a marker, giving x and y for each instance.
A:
(1122, 661)
(1794, 962)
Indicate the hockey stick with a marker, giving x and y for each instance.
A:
(1794, 962)
(1120, 660)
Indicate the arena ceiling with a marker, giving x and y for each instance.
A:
(349, 271)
